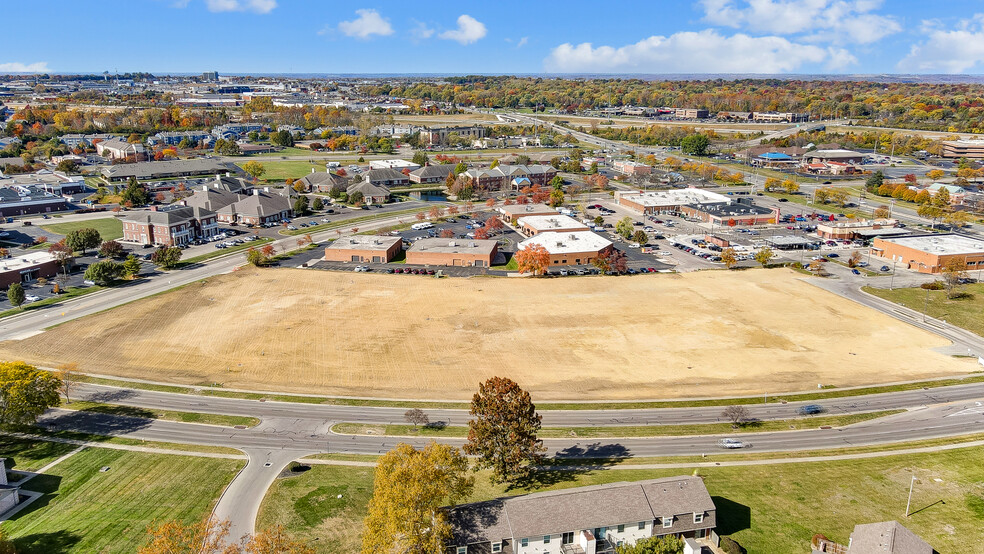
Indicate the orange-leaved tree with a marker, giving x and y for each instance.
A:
(534, 259)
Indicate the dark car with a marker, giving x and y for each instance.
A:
(784, 200)
(856, 272)
(811, 409)
(884, 268)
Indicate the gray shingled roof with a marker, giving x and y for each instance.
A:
(889, 537)
(169, 217)
(440, 170)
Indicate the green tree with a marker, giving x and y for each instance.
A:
(410, 488)
(695, 144)
(111, 249)
(301, 206)
(598, 220)
(668, 544)
(131, 266)
(83, 239)
(942, 198)
(226, 147)
(557, 182)
(420, 158)
(15, 293)
(624, 227)
(166, 257)
(874, 181)
(556, 198)
(254, 169)
(953, 272)
(135, 193)
(25, 393)
(729, 258)
(318, 204)
(764, 255)
(641, 237)
(504, 432)
(255, 257)
(282, 138)
(103, 273)
(460, 168)
(355, 198)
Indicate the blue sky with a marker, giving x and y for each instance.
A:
(498, 36)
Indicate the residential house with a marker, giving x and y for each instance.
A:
(322, 181)
(386, 177)
(173, 138)
(371, 194)
(585, 520)
(176, 226)
(508, 177)
(115, 149)
(431, 174)
(886, 537)
(259, 208)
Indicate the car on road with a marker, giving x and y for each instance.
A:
(856, 272)
(811, 409)
(732, 443)
(833, 255)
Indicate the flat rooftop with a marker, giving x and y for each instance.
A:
(550, 222)
(455, 246)
(26, 261)
(790, 240)
(568, 243)
(676, 197)
(734, 210)
(941, 244)
(364, 242)
(520, 209)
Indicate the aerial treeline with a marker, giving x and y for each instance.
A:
(886, 141)
(955, 107)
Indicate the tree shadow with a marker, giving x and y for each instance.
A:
(93, 422)
(110, 396)
(567, 464)
(731, 516)
(55, 542)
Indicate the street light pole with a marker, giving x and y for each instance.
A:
(891, 285)
(909, 502)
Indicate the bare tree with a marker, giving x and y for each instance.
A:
(736, 414)
(69, 375)
(416, 417)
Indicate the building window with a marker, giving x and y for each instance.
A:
(621, 528)
(567, 538)
(462, 550)
(642, 525)
(497, 546)
(698, 518)
(546, 539)
(667, 522)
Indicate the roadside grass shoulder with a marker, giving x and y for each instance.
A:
(109, 228)
(72, 292)
(964, 312)
(766, 508)
(44, 433)
(628, 431)
(30, 454)
(85, 509)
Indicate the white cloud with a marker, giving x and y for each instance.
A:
(837, 21)
(947, 50)
(18, 67)
(688, 52)
(469, 30)
(839, 59)
(256, 6)
(367, 24)
(522, 42)
(421, 31)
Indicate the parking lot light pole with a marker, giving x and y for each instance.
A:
(909, 502)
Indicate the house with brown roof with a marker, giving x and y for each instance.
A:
(585, 520)
(322, 181)
(885, 537)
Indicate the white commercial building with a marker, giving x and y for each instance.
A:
(667, 201)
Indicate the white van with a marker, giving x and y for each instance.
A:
(420, 226)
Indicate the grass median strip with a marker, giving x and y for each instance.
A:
(123, 441)
(629, 431)
(167, 415)
(72, 292)
(543, 406)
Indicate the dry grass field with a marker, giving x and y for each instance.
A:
(700, 334)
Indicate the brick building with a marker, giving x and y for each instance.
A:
(577, 248)
(510, 214)
(536, 224)
(27, 268)
(172, 227)
(364, 249)
(453, 252)
(930, 253)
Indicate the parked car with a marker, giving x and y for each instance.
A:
(856, 272)
(31, 297)
(884, 268)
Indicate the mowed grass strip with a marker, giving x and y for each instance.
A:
(544, 406)
(768, 508)
(281, 170)
(71, 292)
(623, 431)
(964, 312)
(167, 415)
(42, 433)
(87, 510)
(29, 454)
(109, 228)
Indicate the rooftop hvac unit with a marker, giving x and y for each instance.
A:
(474, 245)
(452, 243)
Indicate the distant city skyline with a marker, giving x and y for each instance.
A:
(301, 36)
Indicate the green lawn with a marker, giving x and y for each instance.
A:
(768, 508)
(623, 431)
(964, 312)
(71, 292)
(281, 170)
(30, 455)
(86, 510)
(109, 228)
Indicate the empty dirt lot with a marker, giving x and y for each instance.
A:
(700, 334)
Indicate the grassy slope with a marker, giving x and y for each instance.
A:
(771, 508)
(109, 228)
(85, 510)
(963, 312)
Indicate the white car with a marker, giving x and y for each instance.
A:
(32, 298)
(732, 443)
